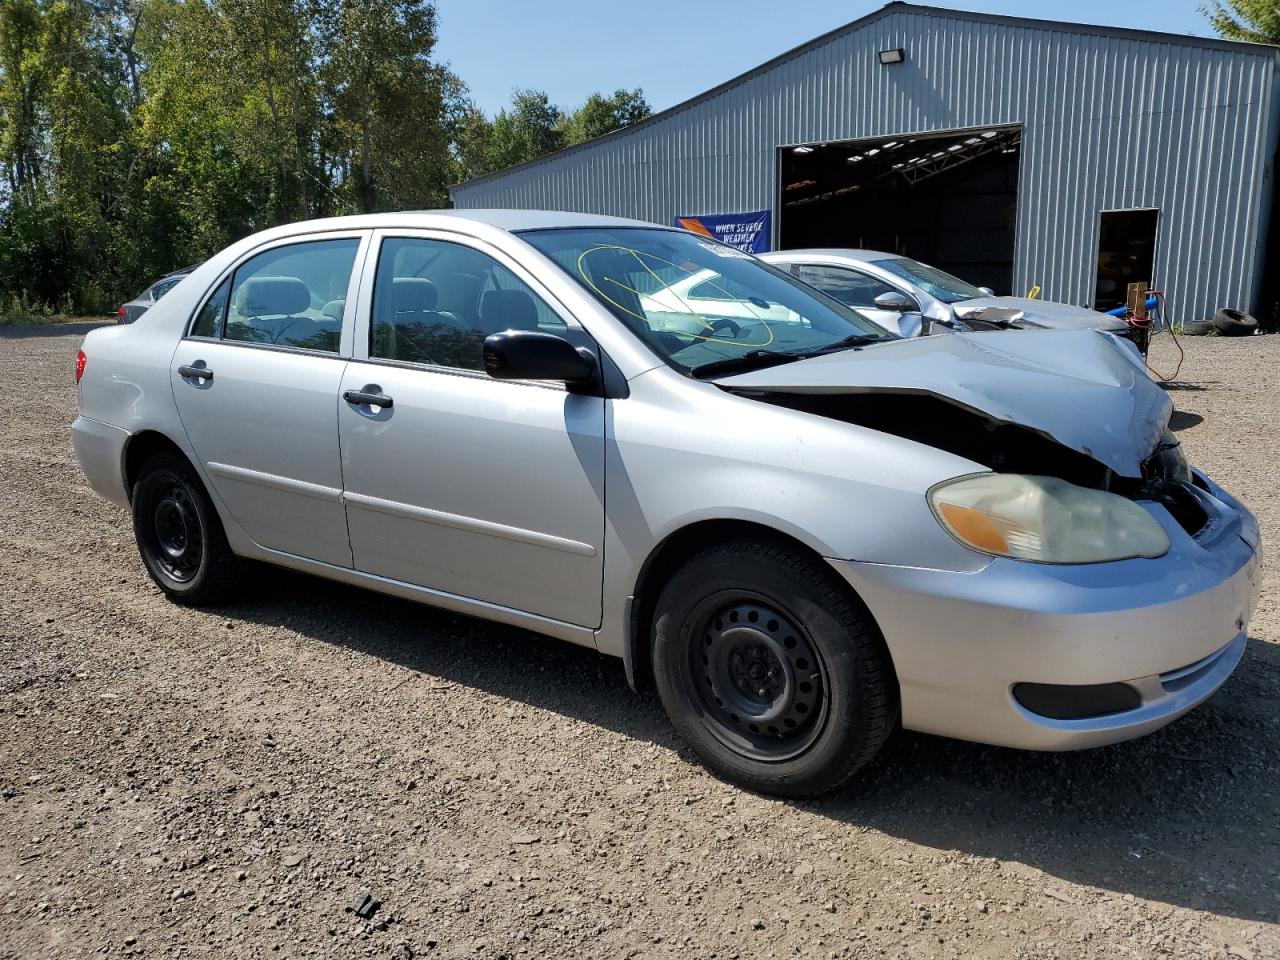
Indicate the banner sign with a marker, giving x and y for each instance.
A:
(748, 232)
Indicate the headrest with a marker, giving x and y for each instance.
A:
(413, 293)
(272, 296)
(507, 310)
(334, 309)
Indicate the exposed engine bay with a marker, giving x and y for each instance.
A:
(1002, 446)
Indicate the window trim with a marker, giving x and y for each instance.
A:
(354, 286)
(364, 317)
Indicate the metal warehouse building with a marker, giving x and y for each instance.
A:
(1011, 152)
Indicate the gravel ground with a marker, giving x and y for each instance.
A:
(178, 782)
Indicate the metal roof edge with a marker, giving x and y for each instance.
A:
(894, 6)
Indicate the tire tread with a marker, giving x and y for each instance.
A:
(879, 706)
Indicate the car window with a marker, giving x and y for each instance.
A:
(719, 288)
(292, 296)
(849, 286)
(434, 302)
(698, 303)
(937, 283)
(161, 287)
(208, 321)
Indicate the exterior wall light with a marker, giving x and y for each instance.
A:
(896, 55)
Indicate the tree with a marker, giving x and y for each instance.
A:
(525, 131)
(532, 126)
(62, 152)
(601, 115)
(1257, 21)
(387, 103)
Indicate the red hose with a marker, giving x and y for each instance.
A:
(1144, 324)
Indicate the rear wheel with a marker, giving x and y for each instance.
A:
(771, 669)
(179, 534)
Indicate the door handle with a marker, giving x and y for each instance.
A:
(195, 373)
(360, 397)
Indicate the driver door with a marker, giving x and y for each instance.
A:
(479, 488)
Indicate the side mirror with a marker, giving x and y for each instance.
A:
(897, 302)
(912, 325)
(987, 291)
(536, 355)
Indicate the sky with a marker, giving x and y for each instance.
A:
(675, 49)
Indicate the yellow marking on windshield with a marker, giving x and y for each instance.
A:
(639, 256)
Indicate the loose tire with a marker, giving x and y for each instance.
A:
(1234, 323)
(771, 669)
(179, 534)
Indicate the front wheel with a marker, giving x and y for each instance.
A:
(771, 670)
(179, 534)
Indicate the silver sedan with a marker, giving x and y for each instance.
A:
(803, 530)
(891, 289)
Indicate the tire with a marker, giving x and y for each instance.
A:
(180, 535)
(1234, 323)
(771, 670)
(1195, 328)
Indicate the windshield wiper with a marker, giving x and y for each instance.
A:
(751, 360)
(847, 343)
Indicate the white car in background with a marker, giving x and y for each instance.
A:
(888, 289)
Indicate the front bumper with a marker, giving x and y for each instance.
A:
(1173, 628)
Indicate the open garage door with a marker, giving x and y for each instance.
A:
(948, 200)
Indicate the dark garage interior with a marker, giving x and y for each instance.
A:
(1126, 254)
(949, 200)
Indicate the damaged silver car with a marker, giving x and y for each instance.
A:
(894, 291)
(802, 529)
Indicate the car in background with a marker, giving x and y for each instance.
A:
(148, 298)
(889, 288)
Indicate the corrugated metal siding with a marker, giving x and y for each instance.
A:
(1108, 123)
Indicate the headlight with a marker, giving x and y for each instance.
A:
(1044, 519)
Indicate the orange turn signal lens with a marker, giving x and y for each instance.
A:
(974, 526)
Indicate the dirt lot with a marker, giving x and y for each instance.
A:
(178, 783)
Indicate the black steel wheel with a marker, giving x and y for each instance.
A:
(762, 680)
(771, 669)
(174, 531)
(179, 534)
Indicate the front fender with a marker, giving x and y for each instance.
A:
(683, 452)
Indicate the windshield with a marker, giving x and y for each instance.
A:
(699, 304)
(937, 283)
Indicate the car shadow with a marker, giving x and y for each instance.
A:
(1189, 816)
(1183, 420)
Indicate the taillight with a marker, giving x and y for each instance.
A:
(81, 360)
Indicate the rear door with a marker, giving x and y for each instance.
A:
(256, 382)
(479, 488)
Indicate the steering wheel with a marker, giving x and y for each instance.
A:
(724, 323)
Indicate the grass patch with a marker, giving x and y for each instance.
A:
(16, 310)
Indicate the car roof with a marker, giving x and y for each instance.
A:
(513, 220)
(476, 223)
(836, 253)
(508, 220)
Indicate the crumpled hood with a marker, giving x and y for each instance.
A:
(1078, 387)
(1044, 313)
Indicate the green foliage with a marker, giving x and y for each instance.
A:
(601, 115)
(533, 126)
(139, 136)
(1257, 21)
